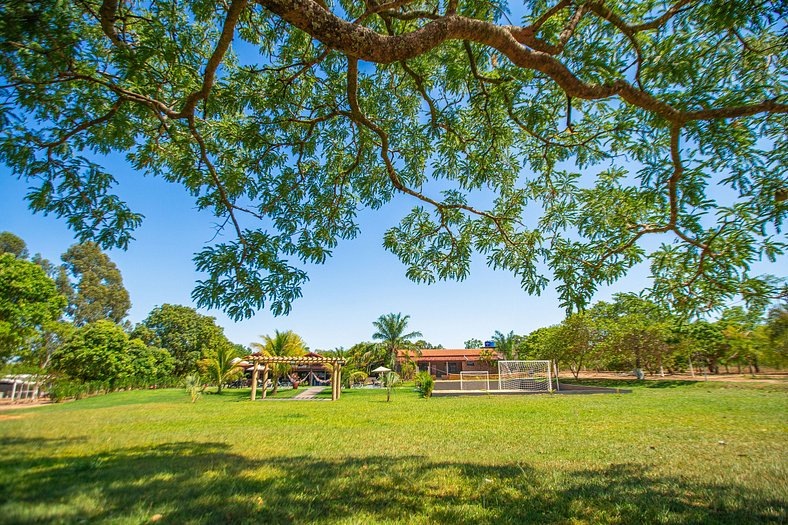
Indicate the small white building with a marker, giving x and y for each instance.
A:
(19, 387)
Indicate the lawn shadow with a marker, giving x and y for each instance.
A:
(206, 483)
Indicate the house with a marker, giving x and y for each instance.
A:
(311, 374)
(443, 362)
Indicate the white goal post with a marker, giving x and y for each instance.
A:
(531, 376)
(471, 375)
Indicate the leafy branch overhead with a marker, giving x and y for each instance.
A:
(558, 144)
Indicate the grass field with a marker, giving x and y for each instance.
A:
(667, 453)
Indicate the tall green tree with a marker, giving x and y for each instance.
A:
(285, 344)
(776, 329)
(506, 343)
(188, 335)
(566, 143)
(93, 285)
(29, 305)
(391, 331)
(102, 351)
(13, 244)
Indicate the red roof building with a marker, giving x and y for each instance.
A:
(445, 362)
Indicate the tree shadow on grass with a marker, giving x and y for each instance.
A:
(194, 482)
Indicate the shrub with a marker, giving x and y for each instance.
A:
(425, 383)
(61, 389)
(194, 386)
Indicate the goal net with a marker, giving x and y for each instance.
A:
(470, 380)
(531, 376)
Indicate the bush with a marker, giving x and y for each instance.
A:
(194, 386)
(425, 383)
(61, 389)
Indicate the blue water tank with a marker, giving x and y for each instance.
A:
(489, 344)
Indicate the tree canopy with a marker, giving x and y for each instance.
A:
(29, 303)
(10, 243)
(553, 138)
(188, 336)
(97, 292)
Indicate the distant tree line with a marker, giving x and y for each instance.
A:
(634, 334)
(67, 324)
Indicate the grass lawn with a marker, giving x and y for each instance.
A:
(680, 453)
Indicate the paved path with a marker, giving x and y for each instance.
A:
(309, 393)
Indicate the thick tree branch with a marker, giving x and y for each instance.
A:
(228, 30)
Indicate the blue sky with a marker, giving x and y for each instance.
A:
(342, 298)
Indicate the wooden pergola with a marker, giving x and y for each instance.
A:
(259, 359)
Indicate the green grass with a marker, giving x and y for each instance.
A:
(681, 453)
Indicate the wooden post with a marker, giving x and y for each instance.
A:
(265, 381)
(339, 380)
(254, 380)
(334, 383)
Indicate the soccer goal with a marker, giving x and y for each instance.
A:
(532, 376)
(472, 380)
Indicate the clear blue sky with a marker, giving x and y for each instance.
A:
(342, 298)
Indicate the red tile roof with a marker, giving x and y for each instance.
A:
(447, 354)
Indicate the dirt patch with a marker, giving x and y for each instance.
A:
(6, 417)
(773, 378)
(17, 406)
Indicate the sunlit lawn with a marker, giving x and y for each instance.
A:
(680, 453)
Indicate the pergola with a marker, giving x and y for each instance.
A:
(259, 359)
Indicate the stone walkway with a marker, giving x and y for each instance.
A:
(309, 393)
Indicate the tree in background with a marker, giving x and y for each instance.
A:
(102, 351)
(51, 337)
(506, 344)
(707, 342)
(776, 329)
(391, 332)
(29, 305)
(426, 345)
(353, 370)
(742, 338)
(222, 365)
(93, 285)
(367, 355)
(149, 365)
(474, 343)
(586, 139)
(188, 335)
(10, 243)
(286, 344)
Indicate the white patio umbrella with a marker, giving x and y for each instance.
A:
(381, 369)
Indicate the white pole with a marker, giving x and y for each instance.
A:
(499, 376)
(692, 370)
(557, 384)
(13, 389)
(549, 379)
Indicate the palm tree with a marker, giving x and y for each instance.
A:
(391, 331)
(222, 366)
(284, 344)
(506, 344)
(351, 370)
